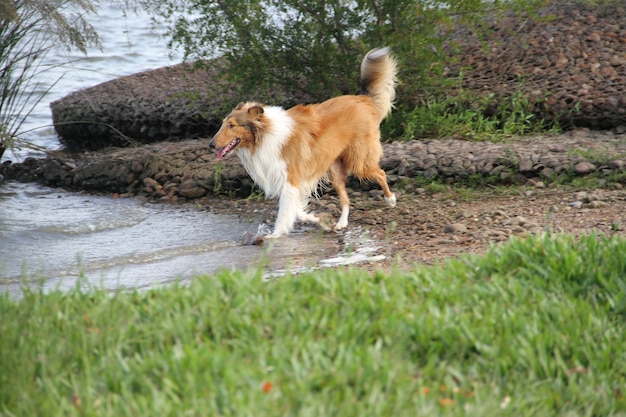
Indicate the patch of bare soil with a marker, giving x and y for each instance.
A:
(427, 228)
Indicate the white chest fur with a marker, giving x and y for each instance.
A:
(265, 164)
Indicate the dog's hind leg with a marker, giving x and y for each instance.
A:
(380, 177)
(304, 215)
(338, 176)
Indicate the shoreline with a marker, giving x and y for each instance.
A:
(178, 172)
(429, 224)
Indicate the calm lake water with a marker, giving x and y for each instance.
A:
(129, 45)
(52, 238)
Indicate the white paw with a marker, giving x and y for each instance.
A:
(308, 218)
(273, 236)
(391, 201)
(341, 224)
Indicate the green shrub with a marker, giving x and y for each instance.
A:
(467, 117)
(314, 47)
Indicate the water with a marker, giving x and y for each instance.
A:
(55, 239)
(129, 45)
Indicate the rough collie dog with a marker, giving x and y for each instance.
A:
(289, 152)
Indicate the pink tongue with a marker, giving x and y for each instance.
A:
(227, 148)
(224, 150)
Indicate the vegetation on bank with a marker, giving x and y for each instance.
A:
(535, 327)
(28, 31)
(293, 51)
(467, 117)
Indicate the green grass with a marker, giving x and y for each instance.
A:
(535, 327)
(467, 117)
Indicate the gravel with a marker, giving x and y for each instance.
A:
(428, 228)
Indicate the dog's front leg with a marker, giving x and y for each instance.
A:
(288, 208)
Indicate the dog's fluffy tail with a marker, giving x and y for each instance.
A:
(378, 79)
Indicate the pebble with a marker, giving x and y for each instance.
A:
(465, 213)
(526, 166)
(192, 192)
(455, 228)
(517, 221)
(442, 241)
(497, 233)
(519, 230)
(581, 196)
(596, 204)
(250, 238)
(584, 168)
(151, 184)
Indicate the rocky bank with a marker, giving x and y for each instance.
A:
(569, 62)
(188, 170)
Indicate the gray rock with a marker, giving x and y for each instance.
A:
(192, 192)
(455, 228)
(519, 230)
(151, 184)
(582, 196)
(584, 168)
(526, 166)
(465, 213)
(517, 221)
(596, 204)
(191, 189)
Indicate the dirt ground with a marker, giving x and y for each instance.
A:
(428, 227)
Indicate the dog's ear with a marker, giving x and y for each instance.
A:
(255, 110)
(239, 106)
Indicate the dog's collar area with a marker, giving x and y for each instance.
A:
(228, 148)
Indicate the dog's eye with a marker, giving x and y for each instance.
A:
(230, 125)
